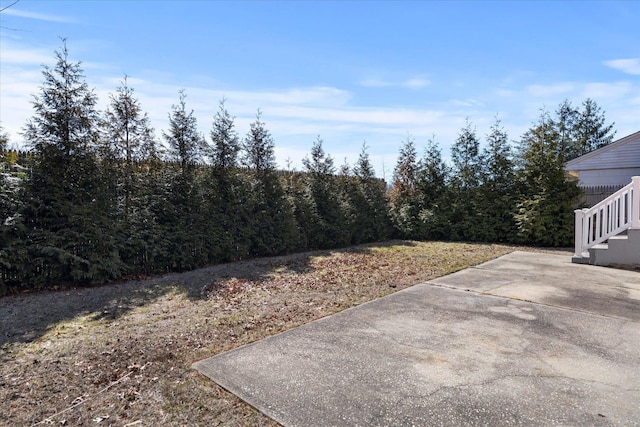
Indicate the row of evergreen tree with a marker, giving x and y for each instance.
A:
(98, 197)
(101, 198)
(503, 193)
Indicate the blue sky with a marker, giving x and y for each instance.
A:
(347, 71)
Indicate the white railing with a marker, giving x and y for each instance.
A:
(610, 217)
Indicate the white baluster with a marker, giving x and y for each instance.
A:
(635, 202)
(579, 231)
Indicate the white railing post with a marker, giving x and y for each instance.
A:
(618, 212)
(635, 202)
(579, 231)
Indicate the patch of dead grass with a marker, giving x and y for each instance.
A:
(121, 354)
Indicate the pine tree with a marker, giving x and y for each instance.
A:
(181, 219)
(369, 202)
(127, 127)
(67, 213)
(326, 222)
(130, 148)
(591, 131)
(13, 171)
(229, 191)
(129, 137)
(319, 165)
(272, 224)
(12, 252)
(566, 123)
(465, 157)
(433, 194)
(581, 131)
(497, 198)
(350, 199)
(545, 208)
(403, 197)
(185, 142)
(4, 173)
(259, 147)
(225, 141)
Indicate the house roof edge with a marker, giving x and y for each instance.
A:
(570, 165)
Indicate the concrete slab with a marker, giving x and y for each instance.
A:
(553, 280)
(510, 342)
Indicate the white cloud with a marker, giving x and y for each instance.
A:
(412, 83)
(469, 102)
(328, 96)
(369, 116)
(629, 66)
(24, 57)
(38, 16)
(18, 84)
(417, 82)
(600, 91)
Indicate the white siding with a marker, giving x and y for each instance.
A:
(624, 153)
(595, 177)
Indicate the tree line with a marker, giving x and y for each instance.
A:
(502, 193)
(99, 197)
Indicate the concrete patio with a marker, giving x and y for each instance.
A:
(527, 339)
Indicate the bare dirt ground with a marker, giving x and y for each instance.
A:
(120, 354)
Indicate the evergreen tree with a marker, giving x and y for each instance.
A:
(225, 141)
(5, 194)
(591, 131)
(319, 165)
(465, 157)
(547, 198)
(403, 197)
(368, 200)
(12, 253)
(433, 193)
(350, 199)
(181, 219)
(229, 191)
(68, 215)
(497, 198)
(272, 224)
(363, 168)
(566, 123)
(4, 143)
(581, 131)
(129, 137)
(259, 147)
(127, 127)
(325, 224)
(185, 142)
(4, 173)
(130, 148)
(14, 170)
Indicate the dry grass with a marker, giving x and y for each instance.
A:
(121, 354)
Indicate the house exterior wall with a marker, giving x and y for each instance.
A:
(611, 165)
(593, 177)
(616, 157)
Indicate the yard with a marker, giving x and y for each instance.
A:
(121, 354)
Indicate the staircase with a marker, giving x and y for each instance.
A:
(609, 232)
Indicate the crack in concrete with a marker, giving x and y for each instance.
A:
(559, 307)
